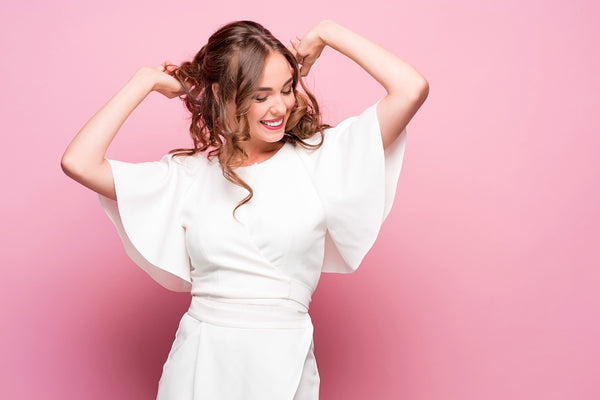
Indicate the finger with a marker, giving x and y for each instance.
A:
(299, 58)
(168, 67)
(296, 57)
(305, 69)
(293, 49)
(296, 45)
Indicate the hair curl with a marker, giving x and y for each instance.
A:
(234, 58)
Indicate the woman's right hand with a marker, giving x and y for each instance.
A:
(84, 159)
(163, 80)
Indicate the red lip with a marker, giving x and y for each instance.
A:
(273, 128)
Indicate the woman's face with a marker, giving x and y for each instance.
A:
(272, 103)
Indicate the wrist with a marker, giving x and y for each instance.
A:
(144, 79)
(326, 30)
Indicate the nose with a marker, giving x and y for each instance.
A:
(278, 107)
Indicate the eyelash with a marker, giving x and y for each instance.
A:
(285, 92)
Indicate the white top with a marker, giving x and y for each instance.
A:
(313, 211)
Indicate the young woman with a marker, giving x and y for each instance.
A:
(267, 199)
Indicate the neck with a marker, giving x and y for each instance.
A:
(258, 153)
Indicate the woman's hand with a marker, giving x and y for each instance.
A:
(164, 82)
(84, 159)
(308, 48)
(406, 88)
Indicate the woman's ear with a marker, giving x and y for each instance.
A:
(215, 90)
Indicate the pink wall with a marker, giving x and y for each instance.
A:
(484, 283)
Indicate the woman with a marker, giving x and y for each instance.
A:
(266, 200)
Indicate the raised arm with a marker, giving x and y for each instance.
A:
(406, 88)
(84, 159)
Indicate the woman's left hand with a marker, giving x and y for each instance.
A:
(308, 48)
(406, 88)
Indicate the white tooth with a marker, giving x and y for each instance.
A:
(273, 123)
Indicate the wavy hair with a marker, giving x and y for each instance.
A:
(234, 58)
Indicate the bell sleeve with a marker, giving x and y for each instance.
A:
(147, 215)
(356, 181)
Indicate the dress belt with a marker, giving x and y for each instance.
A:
(269, 290)
(300, 293)
(247, 315)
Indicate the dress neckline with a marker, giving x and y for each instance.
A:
(264, 162)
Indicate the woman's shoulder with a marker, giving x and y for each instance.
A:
(188, 163)
(366, 118)
(364, 121)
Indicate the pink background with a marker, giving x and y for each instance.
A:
(484, 283)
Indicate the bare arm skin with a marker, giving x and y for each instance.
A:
(84, 159)
(406, 88)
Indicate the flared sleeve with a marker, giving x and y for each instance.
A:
(356, 181)
(147, 215)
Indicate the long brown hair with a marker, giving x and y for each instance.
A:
(234, 58)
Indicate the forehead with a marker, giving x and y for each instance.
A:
(276, 72)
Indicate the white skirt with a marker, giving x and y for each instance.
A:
(233, 351)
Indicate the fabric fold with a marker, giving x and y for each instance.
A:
(356, 180)
(217, 358)
(147, 215)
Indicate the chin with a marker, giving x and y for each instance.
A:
(271, 137)
(278, 137)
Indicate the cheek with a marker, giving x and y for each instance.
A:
(290, 103)
(255, 113)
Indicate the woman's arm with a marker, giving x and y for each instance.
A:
(406, 88)
(84, 159)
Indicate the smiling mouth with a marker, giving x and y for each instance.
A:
(273, 124)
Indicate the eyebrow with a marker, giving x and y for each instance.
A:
(269, 89)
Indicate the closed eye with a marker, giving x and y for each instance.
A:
(260, 99)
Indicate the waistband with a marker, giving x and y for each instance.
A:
(247, 315)
(264, 290)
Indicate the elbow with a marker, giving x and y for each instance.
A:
(420, 92)
(65, 162)
(71, 167)
(97, 177)
(67, 165)
(412, 94)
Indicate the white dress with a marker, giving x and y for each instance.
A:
(247, 334)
